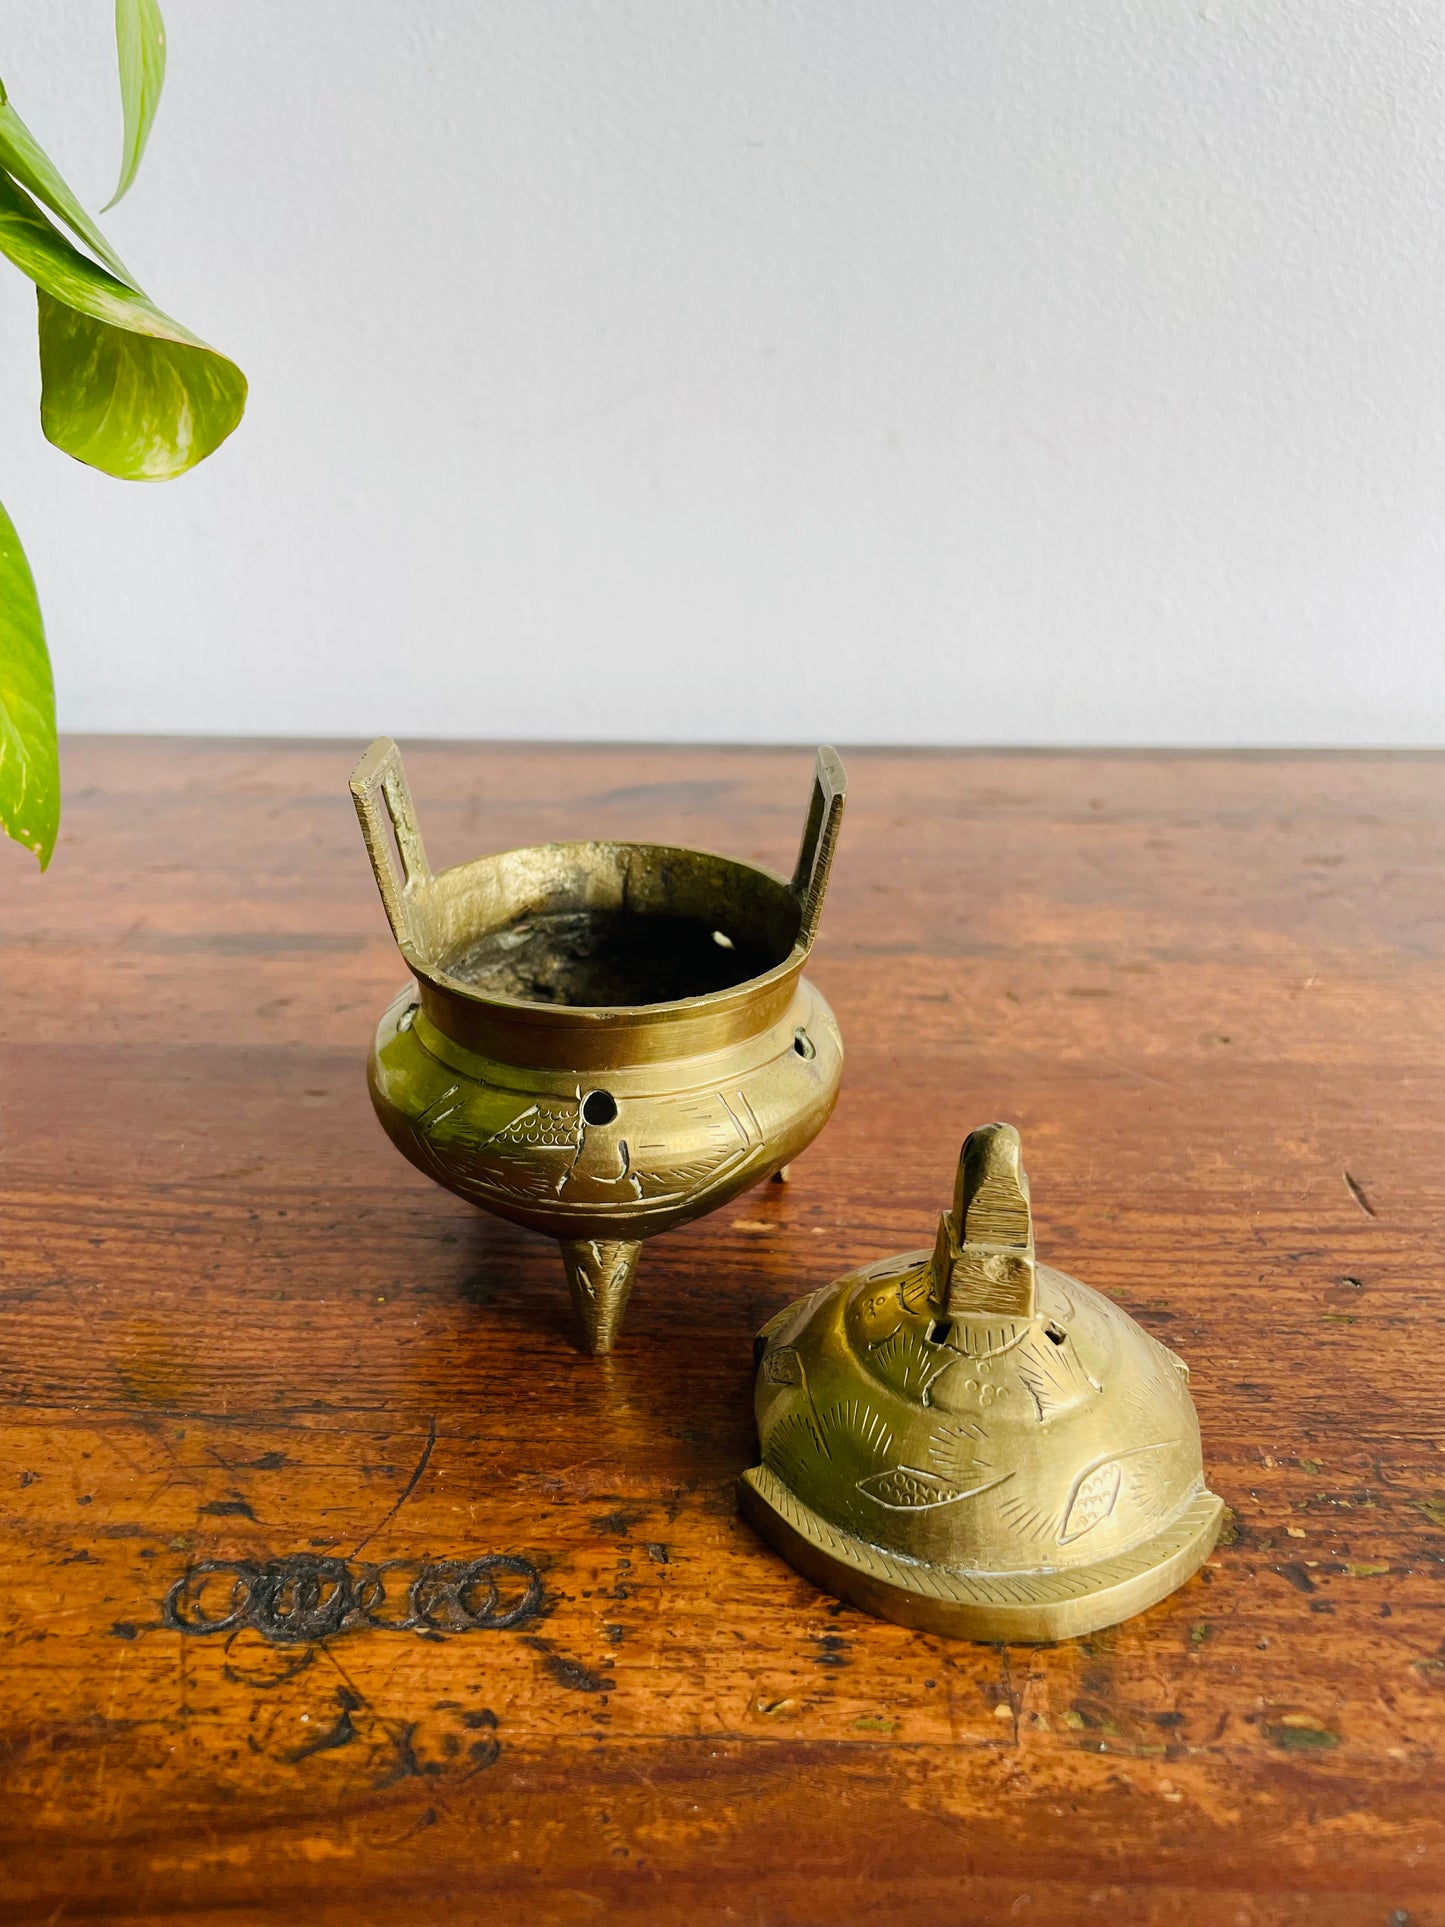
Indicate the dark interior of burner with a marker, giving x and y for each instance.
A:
(609, 957)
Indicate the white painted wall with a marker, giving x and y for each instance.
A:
(919, 371)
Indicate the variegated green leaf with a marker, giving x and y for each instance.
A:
(140, 45)
(23, 156)
(29, 766)
(123, 387)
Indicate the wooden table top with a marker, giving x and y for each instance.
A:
(238, 1327)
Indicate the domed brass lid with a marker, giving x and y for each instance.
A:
(969, 1442)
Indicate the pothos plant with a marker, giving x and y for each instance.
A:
(122, 387)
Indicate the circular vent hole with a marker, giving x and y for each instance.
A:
(599, 1107)
(803, 1044)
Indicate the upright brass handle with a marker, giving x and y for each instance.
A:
(983, 1262)
(380, 778)
(820, 838)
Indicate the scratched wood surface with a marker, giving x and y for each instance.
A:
(237, 1327)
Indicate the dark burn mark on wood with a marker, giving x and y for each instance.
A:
(1357, 1192)
(616, 1525)
(406, 1765)
(124, 1629)
(341, 1733)
(226, 1509)
(1295, 1573)
(657, 1552)
(570, 1673)
(486, 1749)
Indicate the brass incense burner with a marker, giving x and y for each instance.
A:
(968, 1442)
(604, 1039)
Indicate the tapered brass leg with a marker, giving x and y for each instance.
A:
(782, 1174)
(599, 1276)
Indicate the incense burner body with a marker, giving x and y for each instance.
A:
(603, 1040)
(622, 1147)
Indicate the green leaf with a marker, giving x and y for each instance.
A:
(140, 45)
(23, 156)
(123, 387)
(141, 406)
(29, 766)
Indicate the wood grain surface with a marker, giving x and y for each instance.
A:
(238, 1327)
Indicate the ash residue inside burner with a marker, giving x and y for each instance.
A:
(609, 957)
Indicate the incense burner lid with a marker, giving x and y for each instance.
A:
(969, 1441)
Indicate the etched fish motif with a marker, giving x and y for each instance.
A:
(522, 1159)
(1093, 1500)
(526, 1158)
(906, 1488)
(540, 1127)
(548, 1151)
(783, 1366)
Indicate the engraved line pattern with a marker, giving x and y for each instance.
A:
(953, 1449)
(1031, 1522)
(907, 1361)
(906, 1488)
(859, 1424)
(540, 1155)
(987, 1341)
(985, 1589)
